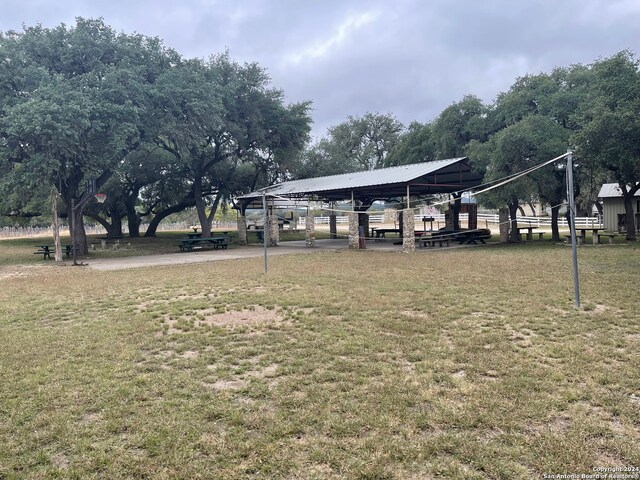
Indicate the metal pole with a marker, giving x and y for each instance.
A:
(572, 226)
(264, 231)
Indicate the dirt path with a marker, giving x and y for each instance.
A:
(291, 248)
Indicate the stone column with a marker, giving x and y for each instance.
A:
(274, 233)
(354, 238)
(448, 218)
(242, 230)
(333, 226)
(310, 233)
(408, 231)
(504, 221)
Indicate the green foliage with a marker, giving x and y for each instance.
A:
(360, 143)
(416, 145)
(457, 125)
(75, 101)
(610, 123)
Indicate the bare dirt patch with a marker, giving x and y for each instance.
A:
(225, 384)
(8, 273)
(254, 316)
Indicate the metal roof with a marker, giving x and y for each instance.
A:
(439, 176)
(612, 190)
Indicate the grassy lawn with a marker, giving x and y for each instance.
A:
(453, 363)
(20, 251)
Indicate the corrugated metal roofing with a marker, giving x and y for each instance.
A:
(612, 190)
(382, 176)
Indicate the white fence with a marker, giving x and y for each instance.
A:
(14, 232)
(484, 219)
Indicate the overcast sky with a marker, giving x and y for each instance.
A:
(411, 58)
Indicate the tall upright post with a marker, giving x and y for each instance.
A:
(572, 226)
(264, 230)
(74, 232)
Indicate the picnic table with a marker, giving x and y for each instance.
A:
(529, 229)
(594, 231)
(472, 237)
(46, 250)
(439, 237)
(381, 232)
(188, 244)
(199, 235)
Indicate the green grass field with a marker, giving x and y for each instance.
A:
(451, 363)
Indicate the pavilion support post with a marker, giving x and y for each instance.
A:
(354, 238)
(274, 232)
(310, 233)
(333, 226)
(408, 231)
(503, 222)
(448, 217)
(456, 210)
(242, 230)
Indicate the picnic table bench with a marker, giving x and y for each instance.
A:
(430, 239)
(47, 250)
(381, 232)
(611, 236)
(444, 237)
(188, 244)
(472, 237)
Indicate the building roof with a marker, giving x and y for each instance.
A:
(612, 190)
(439, 176)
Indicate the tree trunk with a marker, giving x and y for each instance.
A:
(81, 235)
(133, 217)
(513, 213)
(76, 224)
(133, 222)
(115, 229)
(214, 209)
(555, 230)
(630, 220)
(153, 225)
(201, 208)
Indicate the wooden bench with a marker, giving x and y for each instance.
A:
(188, 244)
(540, 235)
(610, 235)
(430, 241)
(472, 237)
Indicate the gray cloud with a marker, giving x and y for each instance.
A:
(408, 57)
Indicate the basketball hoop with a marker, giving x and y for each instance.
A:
(101, 197)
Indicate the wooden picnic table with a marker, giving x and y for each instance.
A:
(381, 232)
(529, 229)
(188, 244)
(46, 250)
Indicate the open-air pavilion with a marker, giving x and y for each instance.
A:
(405, 185)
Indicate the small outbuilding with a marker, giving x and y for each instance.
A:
(613, 212)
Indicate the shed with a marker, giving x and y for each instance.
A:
(614, 217)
